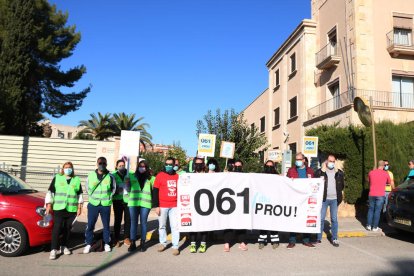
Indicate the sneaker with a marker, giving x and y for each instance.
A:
(176, 252)
(335, 243)
(127, 242)
(161, 248)
(243, 247)
(193, 248)
(275, 245)
(52, 255)
(142, 246)
(261, 245)
(65, 250)
(87, 249)
(368, 227)
(308, 244)
(202, 248)
(132, 247)
(376, 229)
(291, 245)
(107, 248)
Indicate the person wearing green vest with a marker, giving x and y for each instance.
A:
(140, 203)
(120, 205)
(64, 196)
(100, 186)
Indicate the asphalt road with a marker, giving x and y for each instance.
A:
(386, 255)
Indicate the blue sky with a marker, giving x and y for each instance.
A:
(172, 61)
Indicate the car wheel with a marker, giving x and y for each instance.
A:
(13, 239)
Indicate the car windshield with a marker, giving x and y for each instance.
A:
(12, 184)
(407, 184)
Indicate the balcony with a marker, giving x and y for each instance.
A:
(327, 56)
(380, 99)
(399, 42)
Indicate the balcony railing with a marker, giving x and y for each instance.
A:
(379, 99)
(327, 56)
(399, 42)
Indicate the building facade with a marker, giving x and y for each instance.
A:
(348, 48)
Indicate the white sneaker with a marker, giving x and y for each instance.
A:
(87, 249)
(368, 228)
(65, 250)
(376, 229)
(107, 248)
(52, 255)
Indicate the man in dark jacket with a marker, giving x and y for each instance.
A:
(332, 195)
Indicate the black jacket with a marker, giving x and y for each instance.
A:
(339, 180)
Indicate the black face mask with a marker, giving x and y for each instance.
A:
(238, 168)
(269, 169)
(199, 167)
(230, 167)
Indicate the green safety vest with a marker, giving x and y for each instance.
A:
(66, 195)
(133, 195)
(119, 184)
(145, 197)
(102, 194)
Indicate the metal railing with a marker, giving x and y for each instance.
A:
(328, 50)
(379, 99)
(400, 37)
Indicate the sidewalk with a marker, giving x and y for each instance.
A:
(348, 227)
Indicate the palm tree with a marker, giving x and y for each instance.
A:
(122, 121)
(99, 127)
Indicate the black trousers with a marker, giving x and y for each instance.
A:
(62, 225)
(193, 236)
(121, 209)
(229, 235)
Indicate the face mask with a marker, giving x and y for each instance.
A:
(331, 165)
(168, 168)
(237, 168)
(386, 167)
(122, 170)
(198, 167)
(141, 169)
(212, 167)
(67, 171)
(176, 168)
(101, 167)
(269, 169)
(299, 163)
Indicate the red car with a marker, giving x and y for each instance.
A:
(22, 217)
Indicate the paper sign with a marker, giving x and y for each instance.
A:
(310, 146)
(227, 149)
(274, 155)
(129, 143)
(206, 144)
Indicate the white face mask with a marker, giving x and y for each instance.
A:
(331, 165)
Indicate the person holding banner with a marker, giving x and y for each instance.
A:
(64, 196)
(332, 195)
(199, 167)
(120, 205)
(212, 166)
(101, 186)
(229, 233)
(300, 170)
(269, 168)
(165, 203)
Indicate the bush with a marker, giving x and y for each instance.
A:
(354, 145)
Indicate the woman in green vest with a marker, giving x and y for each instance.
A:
(65, 198)
(140, 203)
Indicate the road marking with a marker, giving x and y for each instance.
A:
(364, 251)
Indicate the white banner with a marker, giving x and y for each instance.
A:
(217, 201)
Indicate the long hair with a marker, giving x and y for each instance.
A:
(142, 177)
(71, 165)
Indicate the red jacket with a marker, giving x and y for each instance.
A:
(293, 172)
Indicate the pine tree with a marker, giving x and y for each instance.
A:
(34, 39)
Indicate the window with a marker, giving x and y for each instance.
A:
(402, 37)
(262, 124)
(332, 40)
(403, 91)
(277, 116)
(336, 97)
(61, 134)
(277, 80)
(293, 107)
(292, 147)
(252, 127)
(261, 156)
(292, 63)
(69, 135)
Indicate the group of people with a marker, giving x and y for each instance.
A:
(133, 194)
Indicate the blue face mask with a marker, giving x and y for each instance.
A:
(386, 167)
(168, 168)
(331, 165)
(176, 168)
(67, 171)
(299, 163)
(141, 169)
(211, 167)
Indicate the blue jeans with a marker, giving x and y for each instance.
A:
(333, 209)
(171, 213)
(374, 211)
(143, 215)
(384, 209)
(93, 213)
(305, 238)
